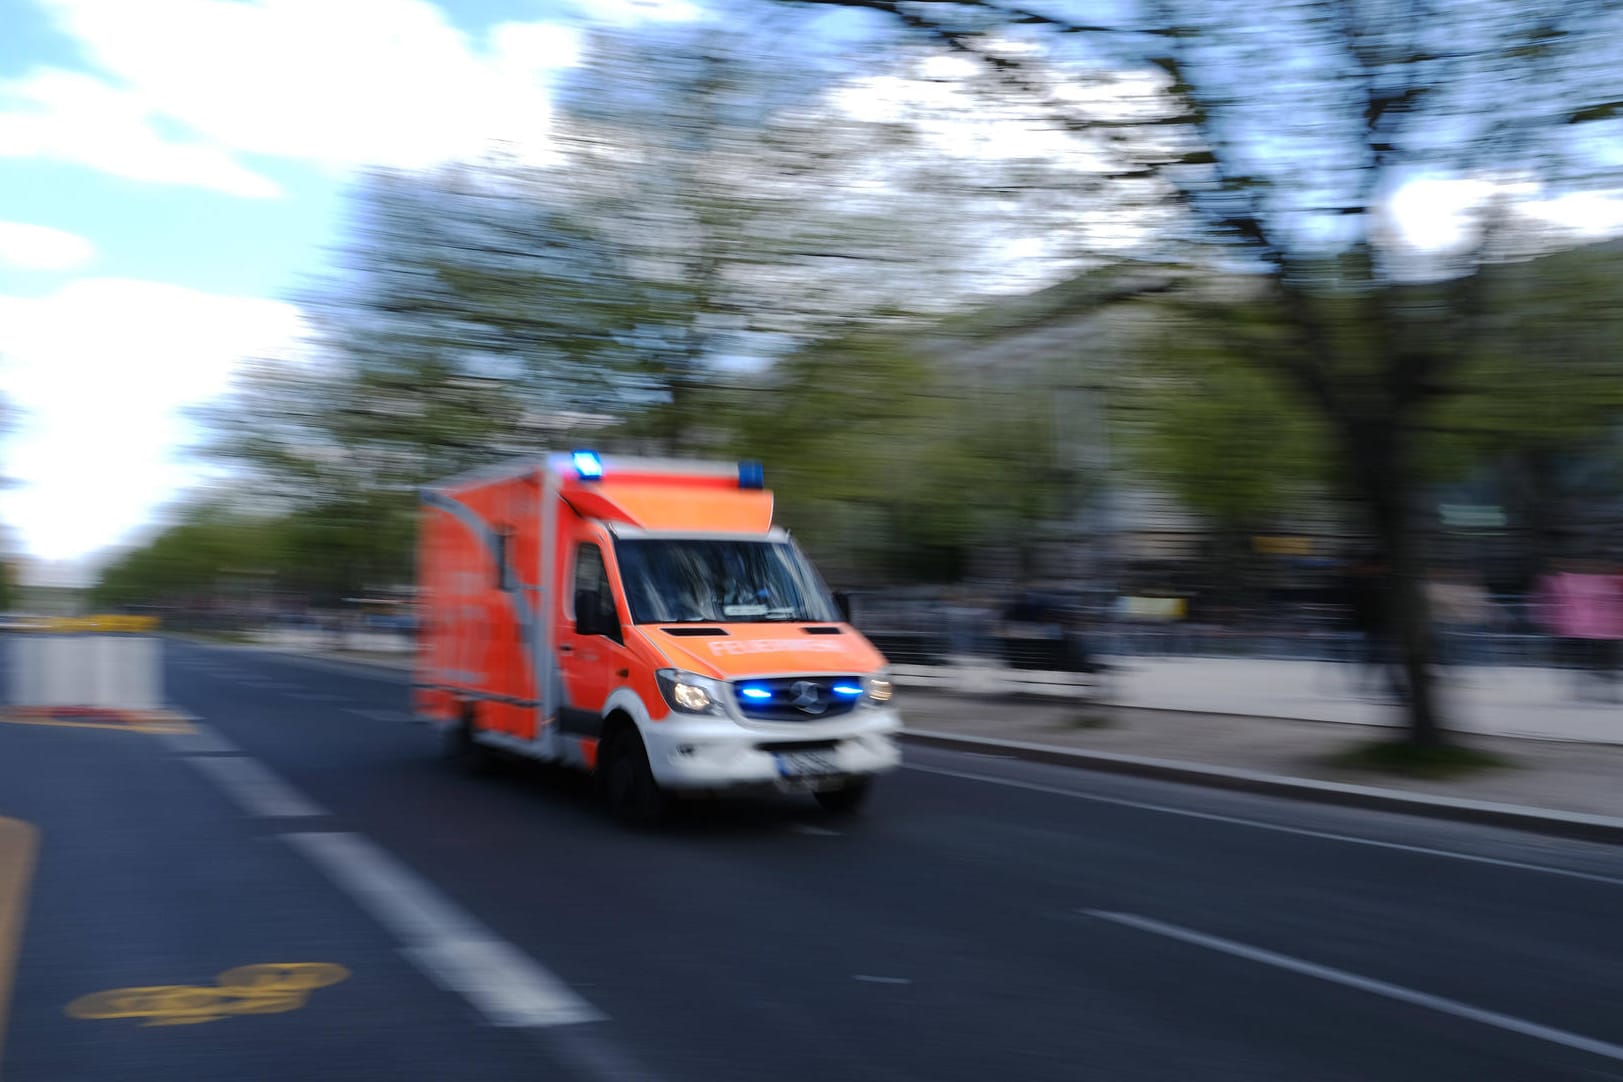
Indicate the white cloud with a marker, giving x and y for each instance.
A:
(101, 371)
(362, 82)
(70, 117)
(39, 247)
(1439, 215)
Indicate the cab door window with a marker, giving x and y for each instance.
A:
(595, 612)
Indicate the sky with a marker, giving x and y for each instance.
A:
(173, 171)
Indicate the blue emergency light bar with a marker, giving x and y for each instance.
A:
(588, 465)
(751, 475)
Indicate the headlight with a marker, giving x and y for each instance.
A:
(691, 693)
(880, 689)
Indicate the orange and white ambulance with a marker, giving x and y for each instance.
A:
(643, 620)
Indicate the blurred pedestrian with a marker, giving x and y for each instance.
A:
(1365, 610)
(1580, 604)
(1461, 611)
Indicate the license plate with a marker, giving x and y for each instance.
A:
(806, 764)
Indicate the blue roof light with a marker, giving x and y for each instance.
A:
(588, 465)
(751, 475)
(755, 693)
(848, 691)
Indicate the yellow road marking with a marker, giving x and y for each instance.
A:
(160, 727)
(257, 989)
(18, 843)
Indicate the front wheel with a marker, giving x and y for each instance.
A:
(630, 789)
(848, 799)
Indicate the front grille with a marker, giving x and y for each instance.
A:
(796, 698)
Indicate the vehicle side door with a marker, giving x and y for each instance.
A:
(592, 652)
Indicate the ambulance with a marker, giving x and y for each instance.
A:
(645, 621)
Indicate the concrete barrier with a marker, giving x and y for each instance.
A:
(112, 672)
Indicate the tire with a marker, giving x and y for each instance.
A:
(848, 799)
(630, 790)
(467, 754)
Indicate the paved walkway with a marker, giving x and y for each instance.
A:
(1561, 775)
(1541, 703)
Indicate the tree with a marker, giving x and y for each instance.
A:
(891, 462)
(1547, 432)
(188, 562)
(1276, 134)
(707, 209)
(688, 222)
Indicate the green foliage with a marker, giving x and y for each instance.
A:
(10, 590)
(1407, 759)
(195, 557)
(1219, 433)
(1549, 374)
(900, 467)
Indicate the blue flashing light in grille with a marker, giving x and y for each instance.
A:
(588, 465)
(847, 691)
(758, 694)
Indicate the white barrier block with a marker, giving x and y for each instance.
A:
(111, 672)
(65, 669)
(143, 673)
(110, 675)
(95, 660)
(25, 684)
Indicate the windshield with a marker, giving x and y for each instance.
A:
(714, 581)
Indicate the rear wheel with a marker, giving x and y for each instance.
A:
(469, 756)
(630, 789)
(848, 799)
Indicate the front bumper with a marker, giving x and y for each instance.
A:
(715, 753)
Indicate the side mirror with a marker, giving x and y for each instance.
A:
(587, 621)
(842, 602)
(595, 615)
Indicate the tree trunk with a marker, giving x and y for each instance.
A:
(1388, 478)
(1410, 617)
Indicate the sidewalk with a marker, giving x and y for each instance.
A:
(1559, 775)
(1505, 701)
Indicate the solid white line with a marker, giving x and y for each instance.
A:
(814, 830)
(1277, 828)
(1366, 984)
(255, 788)
(378, 715)
(443, 940)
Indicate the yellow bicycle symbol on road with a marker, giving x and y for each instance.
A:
(258, 989)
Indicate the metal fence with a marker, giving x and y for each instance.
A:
(916, 631)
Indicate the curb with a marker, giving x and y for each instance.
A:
(1578, 825)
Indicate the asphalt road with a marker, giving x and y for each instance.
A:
(987, 919)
